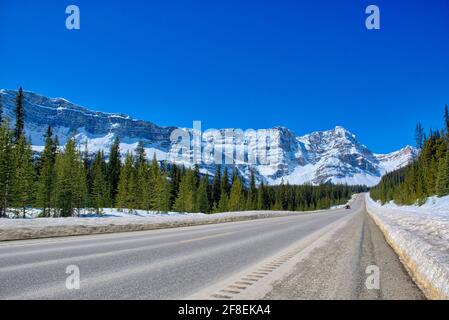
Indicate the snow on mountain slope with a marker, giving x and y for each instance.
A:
(336, 156)
(397, 159)
(320, 157)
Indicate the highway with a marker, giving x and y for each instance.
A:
(177, 263)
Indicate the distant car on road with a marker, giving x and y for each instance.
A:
(347, 207)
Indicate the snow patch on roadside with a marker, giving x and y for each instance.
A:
(420, 235)
(105, 213)
(113, 217)
(107, 217)
(433, 206)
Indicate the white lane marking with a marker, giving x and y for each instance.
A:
(205, 237)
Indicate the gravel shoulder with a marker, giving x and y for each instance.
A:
(337, 270)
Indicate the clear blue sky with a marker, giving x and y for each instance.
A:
(307, 65)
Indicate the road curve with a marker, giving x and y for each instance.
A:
(158, 264)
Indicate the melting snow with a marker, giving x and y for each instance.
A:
(422, 232)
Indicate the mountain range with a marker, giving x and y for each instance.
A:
(333, 156)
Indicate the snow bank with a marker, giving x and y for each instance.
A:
(420, 236)
(116, 221)
(105, 213)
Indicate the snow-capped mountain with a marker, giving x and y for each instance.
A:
(336, 156)
(328, 156)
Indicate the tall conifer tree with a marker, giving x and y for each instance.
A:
(24, 175)
(6, 167)
(236, 198)
(20, 115)
(71, 185)
(185, 199)
(124, 195)
(216, 185)
(113, 171)
(443, 176)
(202, 201)
(46, 179)
(1, 108)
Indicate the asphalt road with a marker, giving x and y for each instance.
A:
(158, 264)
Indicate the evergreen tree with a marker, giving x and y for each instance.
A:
(71, 185)
(234, 176)
(236, 198)
(261, 198)
(6, 168)
(88, 169)
(124, 195)
(80, 190)
(446, 122)
(196, 177)
(141, 184)
(277, 206)
(216, 185)
(202, 204)
(225, 186)
(46, 178)
(252, 193)
(185, 199)
(175, 180)
(20, 115)
(159, 187)
(419, 135)
(141, 155)
(223, 204)
(1, 108)
(443, 176)
(113, 171)
(24, 175)
(155, 185)
(98, 195)
(160, 201)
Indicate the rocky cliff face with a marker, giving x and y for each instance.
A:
(66, 118)
(276, 155)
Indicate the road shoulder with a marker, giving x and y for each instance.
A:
(337, 269)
